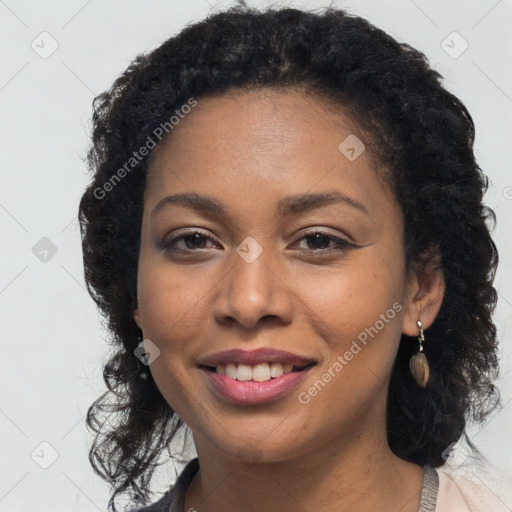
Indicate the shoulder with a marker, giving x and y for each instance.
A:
(162, 505)
(174, 499)
(471, 489)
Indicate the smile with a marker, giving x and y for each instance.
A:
(259, 373)
(251, 391)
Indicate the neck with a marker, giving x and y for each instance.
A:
(356, 476)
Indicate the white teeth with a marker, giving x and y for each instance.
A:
(243, 372)
(276, 370)
(231, 370)
(260, 372)
(287, 368)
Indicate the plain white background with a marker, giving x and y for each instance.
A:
(53, 344)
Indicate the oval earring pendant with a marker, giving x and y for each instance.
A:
(419, 369)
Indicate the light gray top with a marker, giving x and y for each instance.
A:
(174, 499)
(428, 498)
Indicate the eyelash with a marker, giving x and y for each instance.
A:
(340, 244)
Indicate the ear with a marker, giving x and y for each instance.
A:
(136, 317)
(425, 293)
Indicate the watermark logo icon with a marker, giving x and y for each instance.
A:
(352, 147)
(146, 352)
(44, 250)
(454, 45)
(454, 455)
(45, 45)
(44, 455)
(249, 250)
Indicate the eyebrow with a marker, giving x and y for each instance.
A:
(292, 205)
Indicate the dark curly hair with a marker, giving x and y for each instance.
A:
(415, 129)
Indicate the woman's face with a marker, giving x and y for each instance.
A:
(270, 173)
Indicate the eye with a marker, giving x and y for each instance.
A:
(317, 242)
(191, 241)
(320, 241)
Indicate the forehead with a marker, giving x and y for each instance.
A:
(244, 142)
(256, 120)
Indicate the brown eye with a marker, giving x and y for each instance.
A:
(320, 242)
(191, 241)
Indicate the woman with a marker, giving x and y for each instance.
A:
(286, 235)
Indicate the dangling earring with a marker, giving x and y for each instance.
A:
(418, 363)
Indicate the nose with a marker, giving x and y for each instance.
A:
(253, 293)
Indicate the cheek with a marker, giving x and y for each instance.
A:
(168, 299)
(359, 302)
(358, 315)
(173, 309)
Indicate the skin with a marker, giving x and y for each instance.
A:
(249, 150)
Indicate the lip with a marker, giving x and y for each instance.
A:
(252, 392)
(252, 357)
